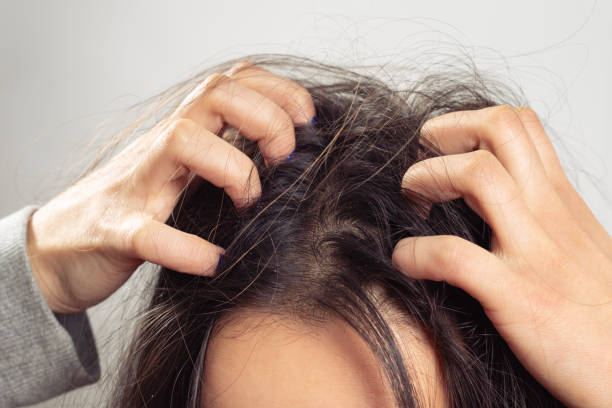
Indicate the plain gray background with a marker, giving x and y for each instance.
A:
(66, 66)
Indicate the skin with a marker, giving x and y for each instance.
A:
(546, 284)
(86, 242)
(262, 360)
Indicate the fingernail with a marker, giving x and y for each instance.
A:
(313, 121)
(291, 155)
(220, 261)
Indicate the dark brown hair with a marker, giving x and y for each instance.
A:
(318, 243)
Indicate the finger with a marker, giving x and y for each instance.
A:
(578, 209)
(186, 144)
(502, 131)
(287, 94)
(499, 130)
(542, 143)
(456, 261)
(161, 244)
(220, 100)
(481, 180)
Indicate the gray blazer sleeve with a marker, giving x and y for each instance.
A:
(42, 354)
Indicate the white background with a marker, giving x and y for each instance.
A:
(66, 66)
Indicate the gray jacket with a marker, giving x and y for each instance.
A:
(42, 354)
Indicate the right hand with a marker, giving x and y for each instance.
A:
(86, 242)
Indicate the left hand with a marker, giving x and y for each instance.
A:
(546, 283)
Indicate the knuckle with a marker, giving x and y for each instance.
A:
(505, 117)
(181, 125)
(503, 113)
(178, 133)
(526, 114)
(136, 240)
(484, 156)
(482, 171)
(240, 66)
(216, 80)
(215, 77)
(448, 254)
(481, 160)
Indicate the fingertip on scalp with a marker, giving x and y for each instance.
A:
(304, 117)
(281, 158)
(200, 257)
(280, 143)
(429, 125)
(249, 194)
(412, 176)
(219, 263)
(304, 112)
(402, 249)
(213, 262)
(243, 203)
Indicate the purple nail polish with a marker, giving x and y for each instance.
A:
(290, 156)
(220, 261)
(313, 121)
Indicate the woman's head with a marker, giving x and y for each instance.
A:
(306, 308)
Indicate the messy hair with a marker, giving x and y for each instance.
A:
(318, 244)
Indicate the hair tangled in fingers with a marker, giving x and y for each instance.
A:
(318, 244)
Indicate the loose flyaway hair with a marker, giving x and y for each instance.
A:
(318, 244)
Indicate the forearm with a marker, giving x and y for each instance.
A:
(41, 354)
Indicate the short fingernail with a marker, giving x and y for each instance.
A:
(291, 155)
(220, 261)
(313, 121)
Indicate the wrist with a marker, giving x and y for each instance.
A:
(44, 271)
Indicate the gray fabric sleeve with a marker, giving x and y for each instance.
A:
(42, 354)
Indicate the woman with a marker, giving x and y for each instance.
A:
(326, 247)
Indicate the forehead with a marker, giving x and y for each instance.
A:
(263, 360)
